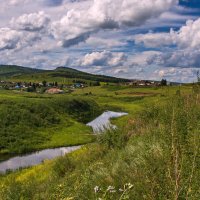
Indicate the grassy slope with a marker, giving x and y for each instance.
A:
(18, 108)
(13, 70)
(70, 132)
(145, 160)
(65, 135)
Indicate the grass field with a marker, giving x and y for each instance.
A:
(152, 155)
(63, 125)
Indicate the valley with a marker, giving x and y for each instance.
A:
(160, 118)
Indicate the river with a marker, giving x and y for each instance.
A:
(98, 125)
(101, 123)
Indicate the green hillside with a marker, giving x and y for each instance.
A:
(31, 122)
(7, 71)
(72, 73)
(59, 74)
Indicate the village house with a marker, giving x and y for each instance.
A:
(54, 91)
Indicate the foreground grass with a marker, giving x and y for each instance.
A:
(156, 151)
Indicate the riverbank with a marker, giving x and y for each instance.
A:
(99, 125)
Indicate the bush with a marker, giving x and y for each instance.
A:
(113, 139)
(63, 165)
(81, 109)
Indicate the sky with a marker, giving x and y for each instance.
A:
(136, 39)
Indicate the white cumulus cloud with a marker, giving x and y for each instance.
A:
(187, 37)
(9, 39)
(105, 58)
(186, 40)
(154, 39)
(77, 24)
(31, 22)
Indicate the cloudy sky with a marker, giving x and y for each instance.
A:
(143, 39)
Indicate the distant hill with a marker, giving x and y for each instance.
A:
(24, 73)
(7, 71)
(72, 73)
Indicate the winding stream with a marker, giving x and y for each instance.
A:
(34, 158)
(101, 123)
(98, 125)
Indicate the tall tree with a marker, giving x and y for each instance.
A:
(163, 82)
(44, 83)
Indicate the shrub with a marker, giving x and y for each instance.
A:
(113, 138)
(63, 165)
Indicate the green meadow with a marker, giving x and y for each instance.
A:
(154, 153)
(31, 122)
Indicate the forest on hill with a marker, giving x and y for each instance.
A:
(13, 72)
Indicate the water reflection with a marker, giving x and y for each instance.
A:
(34, 158)
(103, 121)
(98, 125)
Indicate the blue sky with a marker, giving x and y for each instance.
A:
(190, 3)
(136, 39)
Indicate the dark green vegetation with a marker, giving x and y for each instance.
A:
(17, 73)
(7, 71)
(29, 123)
(72, 73)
